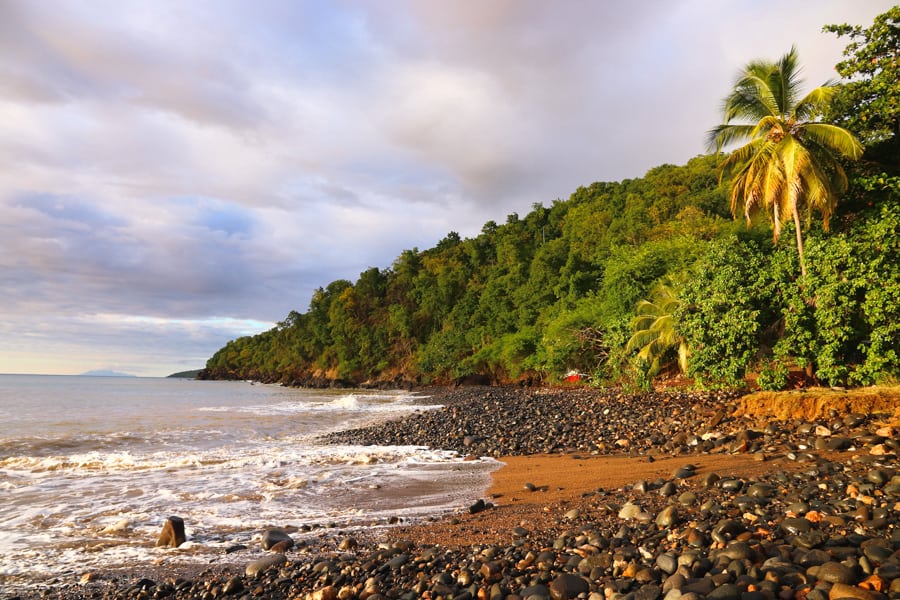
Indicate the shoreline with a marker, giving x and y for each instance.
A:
(806, 486)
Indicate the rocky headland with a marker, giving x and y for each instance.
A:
(605, 496)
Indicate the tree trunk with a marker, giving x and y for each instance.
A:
(796, 216)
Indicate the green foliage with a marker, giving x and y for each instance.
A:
(724, 311)
(773, 376)
(869, 100)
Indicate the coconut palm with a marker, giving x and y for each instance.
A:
(791, 162)
(654, 331)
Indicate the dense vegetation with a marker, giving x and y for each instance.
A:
(557, 290)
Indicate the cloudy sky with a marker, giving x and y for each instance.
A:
(179, 173)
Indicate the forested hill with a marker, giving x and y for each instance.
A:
(555, 291)
(625, 281)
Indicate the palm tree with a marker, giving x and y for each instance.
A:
(654, 331)
(791, 163)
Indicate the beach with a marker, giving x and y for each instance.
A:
(634, 496)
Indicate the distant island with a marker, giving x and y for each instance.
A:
(185, 374)
(105, 373)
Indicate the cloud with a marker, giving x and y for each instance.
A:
(172, 169)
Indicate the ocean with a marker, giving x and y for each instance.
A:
(90, 468)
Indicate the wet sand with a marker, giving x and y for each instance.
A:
(566, 482)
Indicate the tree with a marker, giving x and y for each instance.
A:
(869, 101)
(790, 162)
(655, 333)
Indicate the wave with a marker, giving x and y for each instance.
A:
(348, 403)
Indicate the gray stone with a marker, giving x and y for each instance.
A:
(259, 566)
(667, 563)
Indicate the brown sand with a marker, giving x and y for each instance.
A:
(562, 482)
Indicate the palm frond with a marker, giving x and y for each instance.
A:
(834, 138)
(814, 103)
(723, 135)
(786, 81)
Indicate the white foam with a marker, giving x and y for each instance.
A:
(228, 470)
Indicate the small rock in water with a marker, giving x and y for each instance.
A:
(172, 533)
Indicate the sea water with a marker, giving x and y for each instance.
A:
(90, 468)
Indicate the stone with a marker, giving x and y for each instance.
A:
(668, 516)
(326, 593)
(648, 592)
(726, 591)
(667, 563)
(172, 534)
(687, 499)
(536, 591)
(567, 586)
(835, 572)
(684, 472)
(276, 537)
(233, 586)
(629, 511)
(260, 566)
(843, 590)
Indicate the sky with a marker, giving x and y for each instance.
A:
(176, 174)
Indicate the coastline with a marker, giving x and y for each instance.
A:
(762, 486)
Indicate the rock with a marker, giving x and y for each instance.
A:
(234, 586)
(260, 566)
(282, 546)
(822, 431)
(842, 590)
(629, 511)
(326, 593)
(478, 507)
(648, 592)
(276, 537)
(668, 516)
(685, 472)
(726, 591)
(172, 534)
(835, 572)
(687, 499)
(737, 550)
(535, 591)
(567, 586)
(667, 563)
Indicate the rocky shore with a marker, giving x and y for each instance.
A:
(641, 497)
